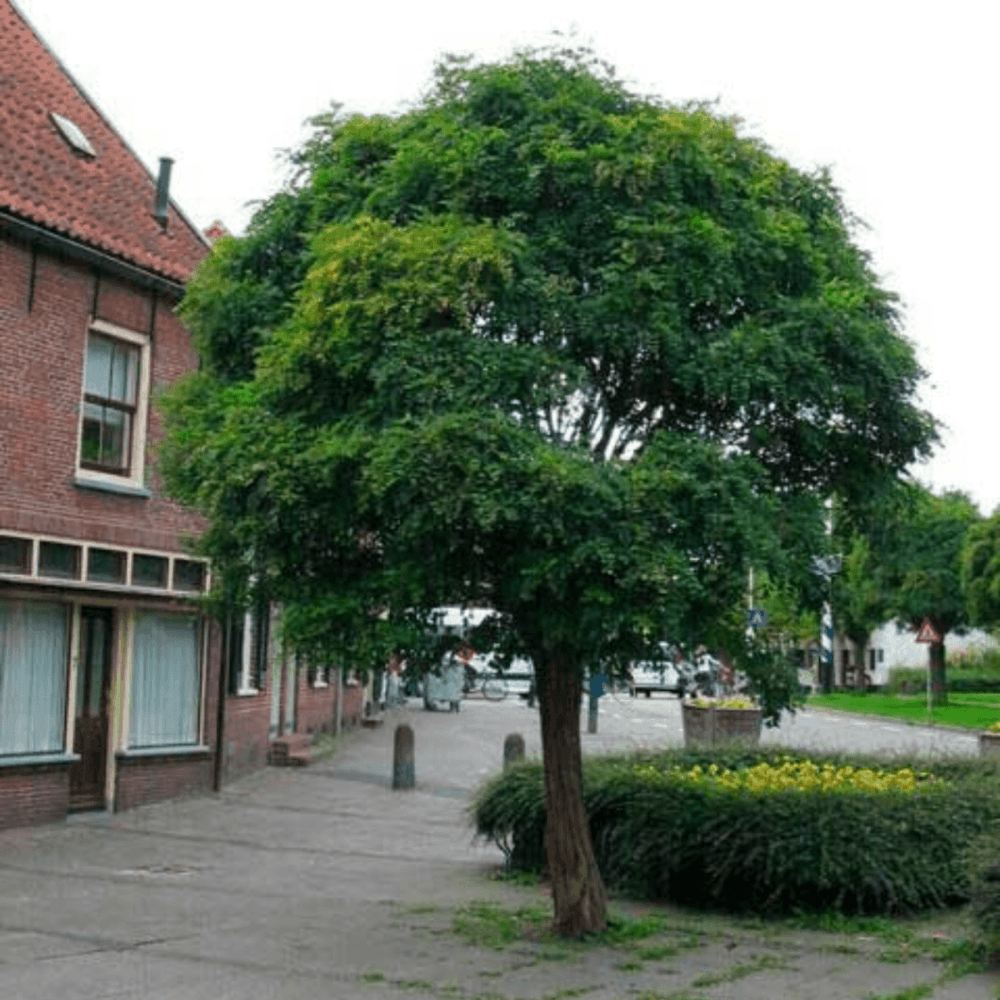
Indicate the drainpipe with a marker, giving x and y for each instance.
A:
(220, 715)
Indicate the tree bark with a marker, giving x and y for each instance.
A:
(578, 894)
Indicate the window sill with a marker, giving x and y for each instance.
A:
(103, 486)
(35, 759)
(163, 751)
(246, 693)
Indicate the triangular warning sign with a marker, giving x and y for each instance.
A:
(927, 633)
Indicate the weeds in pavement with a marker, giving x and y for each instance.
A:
(372, 976)
(488, 925)
(630, 965)
(916, 992)
(740, 971)
(422, 908)
(415, 984)
(567, 992)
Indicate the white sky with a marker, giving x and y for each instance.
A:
(897, 98)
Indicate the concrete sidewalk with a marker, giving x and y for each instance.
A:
(323, 883)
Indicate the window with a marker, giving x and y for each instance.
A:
(166, 681)
(109, 404)
(113, 410)
(15, 555)
(149, 571)
(56, 559)
(105, 566)
(247, 651)
(189, 575)
(33, 660)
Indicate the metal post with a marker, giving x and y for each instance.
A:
(592, 713)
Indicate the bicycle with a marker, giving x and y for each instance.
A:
(494, 689)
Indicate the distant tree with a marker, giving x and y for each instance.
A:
(981, 572)
(543, 343)
(923, 569)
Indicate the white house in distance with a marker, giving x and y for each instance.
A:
(891, 646)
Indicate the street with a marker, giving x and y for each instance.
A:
(296, 882)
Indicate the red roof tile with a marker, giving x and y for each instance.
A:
(105, 201)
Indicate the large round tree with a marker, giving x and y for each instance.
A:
(546, 344)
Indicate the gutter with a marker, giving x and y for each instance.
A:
(37, 236)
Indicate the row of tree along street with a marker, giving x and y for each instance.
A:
(582, 356)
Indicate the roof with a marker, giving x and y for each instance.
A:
(104, 201)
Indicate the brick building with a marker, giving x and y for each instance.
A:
(114, 689)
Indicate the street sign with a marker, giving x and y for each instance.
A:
(598, 685)
(927, 633)
(757, 618)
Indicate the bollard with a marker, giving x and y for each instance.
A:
(403, 773)
(513, 749)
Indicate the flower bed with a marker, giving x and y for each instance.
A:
(763, 830)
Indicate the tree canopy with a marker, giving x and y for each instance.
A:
(546, 344)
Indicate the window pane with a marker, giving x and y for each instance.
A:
(106, 566)
(115, 438)
(124, 369)
(112, 369)
(55, 559)
(15, 555)
(166, 682)
(90, 447)
(188, 575)
(32, 677)
(149, 571)
(107, 434)
(99, 352)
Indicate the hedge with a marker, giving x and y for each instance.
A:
(855, 851)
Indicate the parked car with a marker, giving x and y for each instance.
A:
(675, 675)
(668, 674)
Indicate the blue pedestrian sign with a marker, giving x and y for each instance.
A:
(598, 685)
(757, 618)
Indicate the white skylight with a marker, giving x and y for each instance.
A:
(73, 135)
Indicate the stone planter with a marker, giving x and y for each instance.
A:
(718, 725)
(989, 744)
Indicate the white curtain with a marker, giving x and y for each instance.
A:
(166, 681)
(33, 660)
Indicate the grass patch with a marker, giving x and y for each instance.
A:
(740, 971)
(422, 908)
(630, 965)
(657, 952)
(488, 925)
(965, 710)
(567, 992)
(916, 992)
(372, 976)
(415, 984)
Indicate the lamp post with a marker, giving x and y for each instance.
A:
(826, 567)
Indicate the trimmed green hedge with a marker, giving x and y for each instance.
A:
(886, 852)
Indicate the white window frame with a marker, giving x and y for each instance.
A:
(246, 656)
(136, 477)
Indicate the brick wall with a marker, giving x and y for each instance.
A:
(317, 706)
(152, 779)
(248, 718)
(32, 795)
(41, 378)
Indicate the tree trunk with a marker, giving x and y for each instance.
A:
(939, 682)
(578, 893)
(860, 641)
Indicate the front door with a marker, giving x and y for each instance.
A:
(90, 735)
